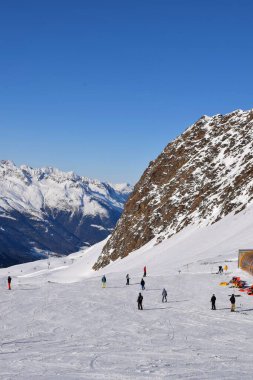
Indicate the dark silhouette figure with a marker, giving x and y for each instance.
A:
(127, 279)
(232, 300)
(139, 301)
(220, 271)
(9, 282)
(164, 295)
(213, 299)
(142, 284)
(145, 271)
(103, 281)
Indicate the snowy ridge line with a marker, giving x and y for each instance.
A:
(198, 179)
(49, 210)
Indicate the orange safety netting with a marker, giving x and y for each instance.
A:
(245, 260)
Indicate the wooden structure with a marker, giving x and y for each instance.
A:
(245, 260)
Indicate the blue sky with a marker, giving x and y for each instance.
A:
(101, 86)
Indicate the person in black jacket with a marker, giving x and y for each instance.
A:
(213, 299)
(164, 295)
(139, 301)
(142, 284)
(127, 279)
(232, 300)
(103, 281)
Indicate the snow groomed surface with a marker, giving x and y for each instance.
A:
(60, 323)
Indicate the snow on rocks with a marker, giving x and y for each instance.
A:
(199, 178)
(47, 209)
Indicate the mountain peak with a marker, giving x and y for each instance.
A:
(7, 163)
(198, 179)
(48, 210)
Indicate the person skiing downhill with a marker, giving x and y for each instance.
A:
(164, 295)
(103, 281)
(142, 284)
(232, 300)
(139, 301)
(213, 299)
(9, 282)
(145, 271)
(127, 279)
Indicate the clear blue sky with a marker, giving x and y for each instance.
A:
(101, 86)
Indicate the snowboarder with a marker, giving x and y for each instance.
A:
(164, 294)
(103, 281)
(9, 282)
(220, 271)
(139, 301)
(226, 267)
(213, 299)
(232, 300)
(142, 284)
(127, 279)
(145, 271)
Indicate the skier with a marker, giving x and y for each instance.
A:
(213, 299)
(103, 281)
(232, 300)
(164, 294)
(220, 271)
(145, 271)
(142, 284)
(139, 300)
(9, 282)
(127, 279)
(226, 267)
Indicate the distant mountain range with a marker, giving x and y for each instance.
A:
(47, 211)
(199, 178)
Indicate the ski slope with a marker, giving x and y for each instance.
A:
(57, 321)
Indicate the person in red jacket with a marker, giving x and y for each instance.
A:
(145, 271)
(9, 282)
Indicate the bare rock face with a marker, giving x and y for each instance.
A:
(199, 178)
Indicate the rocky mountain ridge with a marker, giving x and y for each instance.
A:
(199, 178)
(49, 211)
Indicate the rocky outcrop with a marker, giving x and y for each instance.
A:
(46, 211)
(199, 178)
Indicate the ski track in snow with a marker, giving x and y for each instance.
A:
(80, 330)
(60, 323)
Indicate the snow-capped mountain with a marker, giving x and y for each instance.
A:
(49, 211)
(200, 177)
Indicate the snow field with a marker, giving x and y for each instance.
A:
(81, 331)
(60, 323)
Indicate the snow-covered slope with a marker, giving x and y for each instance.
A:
(47, 210)
(59, 322)
(199, 178)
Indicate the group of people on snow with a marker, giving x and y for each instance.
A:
(142, 283)
(164, 291)
(232, 300)
(220, 269)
